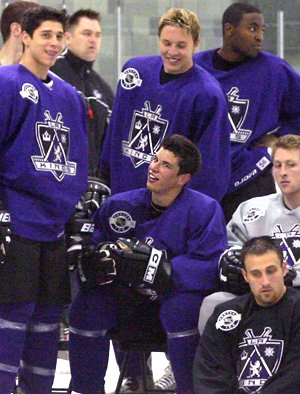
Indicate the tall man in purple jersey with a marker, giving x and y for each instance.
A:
(158, 96)
(263, 93)
(179, 267)
(43, 173)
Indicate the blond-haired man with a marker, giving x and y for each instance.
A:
(158, 96)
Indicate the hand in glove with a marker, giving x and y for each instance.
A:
(230, 272)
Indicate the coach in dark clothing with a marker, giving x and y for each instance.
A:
(83, 41)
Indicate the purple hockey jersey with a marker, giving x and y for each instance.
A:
(43, 152)
(146, 111)
(194, 248)
(264, 96)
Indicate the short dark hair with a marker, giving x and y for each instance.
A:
(235, 12)
(88, 13)
(259, 246)
(13, 14)
(186, 151)
(34, 17)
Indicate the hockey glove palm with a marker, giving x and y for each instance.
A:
(79, 231)
(95, 195)
(230, 272)
(96, 266)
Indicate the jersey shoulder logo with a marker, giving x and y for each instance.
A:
(238, 109)
(253, 214)
(259, 358)
(121, 222)
(228, 320)
(146, 133)
(130, 79)
(30, 92)
(54, 142)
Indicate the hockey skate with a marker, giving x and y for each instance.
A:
(167, 381)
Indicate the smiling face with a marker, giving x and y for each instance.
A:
(265, 275)
(244, 40)
(84, 39)
(286, 172)
(164, 179)
(176, 48)
(43, 48)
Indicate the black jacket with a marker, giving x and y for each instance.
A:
(98, 98)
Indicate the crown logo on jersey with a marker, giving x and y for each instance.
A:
(46, 136)
(147, 131)
(53, 139)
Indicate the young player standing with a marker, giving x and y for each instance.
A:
(162, 95)
(43, 173)
(263, 93)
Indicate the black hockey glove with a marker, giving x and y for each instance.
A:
(130, 262)
(95, 195)
(290, 276)
(96, 266)
(142, 266)
(230, 272)
(4, 233)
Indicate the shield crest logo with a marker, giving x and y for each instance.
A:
(260, 357)
(146, 133)
(54, 142)
(289, 242)
(238, 109)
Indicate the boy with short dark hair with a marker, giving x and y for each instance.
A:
(43, 173)
(186, 266)
(251, 343)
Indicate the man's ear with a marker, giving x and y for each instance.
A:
(284, 267)
(245, 275)
(25, 38)
(196, 44)
(228, 29)
(15, 29)
(67, 37)
(183, 179)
